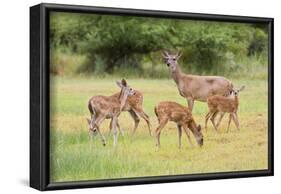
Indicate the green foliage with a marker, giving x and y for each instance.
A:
(113, 44)
(258, 42)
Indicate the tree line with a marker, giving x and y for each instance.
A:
(111, 42)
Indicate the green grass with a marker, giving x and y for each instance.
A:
(74, 157)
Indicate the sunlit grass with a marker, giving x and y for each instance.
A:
(74, 157)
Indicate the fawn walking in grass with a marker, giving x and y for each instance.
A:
(195, 87)
(134, 106)
(172, 111)
(223, 105)
(102, 107)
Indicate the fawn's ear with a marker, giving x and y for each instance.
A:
(89, 121)
(119, 84)
(124, 83)
(242, 88)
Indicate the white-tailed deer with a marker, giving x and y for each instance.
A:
(182, 116)
(223, 105)
(195, 87)
(102, 107)
(134, 106)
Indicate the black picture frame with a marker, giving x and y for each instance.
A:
(39, 97)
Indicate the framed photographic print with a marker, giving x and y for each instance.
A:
(127, 96)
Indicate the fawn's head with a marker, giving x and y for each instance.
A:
(171, 60)
(126, 91)
(235, 92)
(90, 126)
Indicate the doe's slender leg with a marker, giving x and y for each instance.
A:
(190, 104)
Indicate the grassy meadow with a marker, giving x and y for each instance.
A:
(73, 157)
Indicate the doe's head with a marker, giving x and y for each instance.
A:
(171, 59)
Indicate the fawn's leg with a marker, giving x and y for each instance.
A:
(162, 124)
(188, 135)
(143, 115)
(208, 115)
(136, 120)
(221, 116)
(114, 121)
(98, 121)
(119, 128)
(110, 127)
(229, 121)
(91, 131)
(180, 134)
(235, 118)
(213, 120)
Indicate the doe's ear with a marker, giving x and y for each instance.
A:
(242, 88)
(165, 54)
(179, 54)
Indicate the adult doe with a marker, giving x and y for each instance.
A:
(195, 87)
(172, 111)
(102, 107)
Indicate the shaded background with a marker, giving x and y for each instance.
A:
(131, 46)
